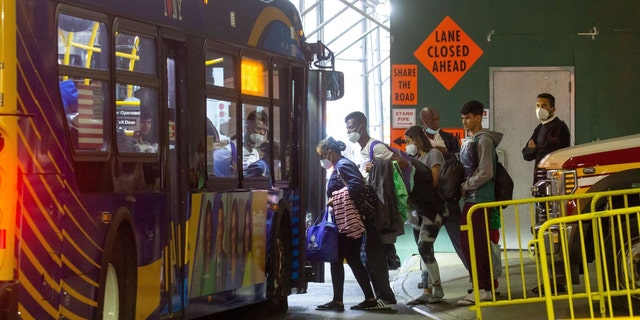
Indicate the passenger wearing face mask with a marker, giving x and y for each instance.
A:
(255, 135)
(387, 224)
(550, 135)
(345, 174)
(444, 141)
(426, 223)
(449, 145)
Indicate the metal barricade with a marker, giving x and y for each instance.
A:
(596, 238)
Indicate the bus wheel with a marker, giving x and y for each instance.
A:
(622, 251)
(279, 262)
(119, 277)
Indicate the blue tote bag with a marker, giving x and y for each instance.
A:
(322, 240)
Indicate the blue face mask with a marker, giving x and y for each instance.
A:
(430, 131)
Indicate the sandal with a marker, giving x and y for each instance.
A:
(331, 306)
(364, 305)
(423, 299)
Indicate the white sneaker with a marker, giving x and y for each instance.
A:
(470, 298)
(437, 295)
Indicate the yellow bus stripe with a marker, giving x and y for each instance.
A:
(81, 205)
(38, 266)
(78, 295)
(70, 240)
(66, 314)
(266, 16)
(44, 212)
(40, 82)
(27, 147)
(36, 232)
(82, 229)
(23, 110)
(24, 314)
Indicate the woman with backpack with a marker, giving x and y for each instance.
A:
(345, 183)
(427, 221)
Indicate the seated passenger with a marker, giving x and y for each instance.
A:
(255, 134)
(260, 168)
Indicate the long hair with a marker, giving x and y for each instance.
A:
(419, 137)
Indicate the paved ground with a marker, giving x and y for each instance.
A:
(404, 283)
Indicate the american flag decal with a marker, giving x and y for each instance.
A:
(90, 128)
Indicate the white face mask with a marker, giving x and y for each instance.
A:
(542, 114)
(354, 137)
(412, 150)
(258, 139)
(326, 164)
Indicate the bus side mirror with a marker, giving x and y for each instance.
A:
(334, 84)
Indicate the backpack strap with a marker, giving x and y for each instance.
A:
(373, 144)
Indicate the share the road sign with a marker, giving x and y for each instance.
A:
(448, 53)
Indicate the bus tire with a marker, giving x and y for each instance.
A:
(279, 261)
(618, 253)
(118, 275)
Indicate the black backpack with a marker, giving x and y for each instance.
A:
(450, 177)
(503, 184)
(423, 197)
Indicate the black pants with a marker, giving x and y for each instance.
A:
(349, 249)
(452, 225)
(377, 264)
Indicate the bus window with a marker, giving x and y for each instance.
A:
(256, 148)
(279, 126)
(276, 78)
(82, 43)
(135, 53)
(136, 119)
(221, 138)
(220, 69)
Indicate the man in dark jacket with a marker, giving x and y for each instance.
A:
(550, 135)
(444, 141)
(449, 145)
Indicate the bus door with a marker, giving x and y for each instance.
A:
(173, 286)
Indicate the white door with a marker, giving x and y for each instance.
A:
(513, 92)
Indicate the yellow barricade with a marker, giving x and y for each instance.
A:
(593, 247)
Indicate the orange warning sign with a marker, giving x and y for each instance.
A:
(404, 88)
(457, 132)
(448, 53)
(397, 138)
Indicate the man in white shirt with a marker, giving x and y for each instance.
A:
(356, 123)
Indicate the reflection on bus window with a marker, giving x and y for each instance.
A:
(82, 43)
(220, 69)
(135, 53)
(221, 138)
(256, 128)
(136, 119)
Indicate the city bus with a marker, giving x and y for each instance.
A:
(157, 158)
